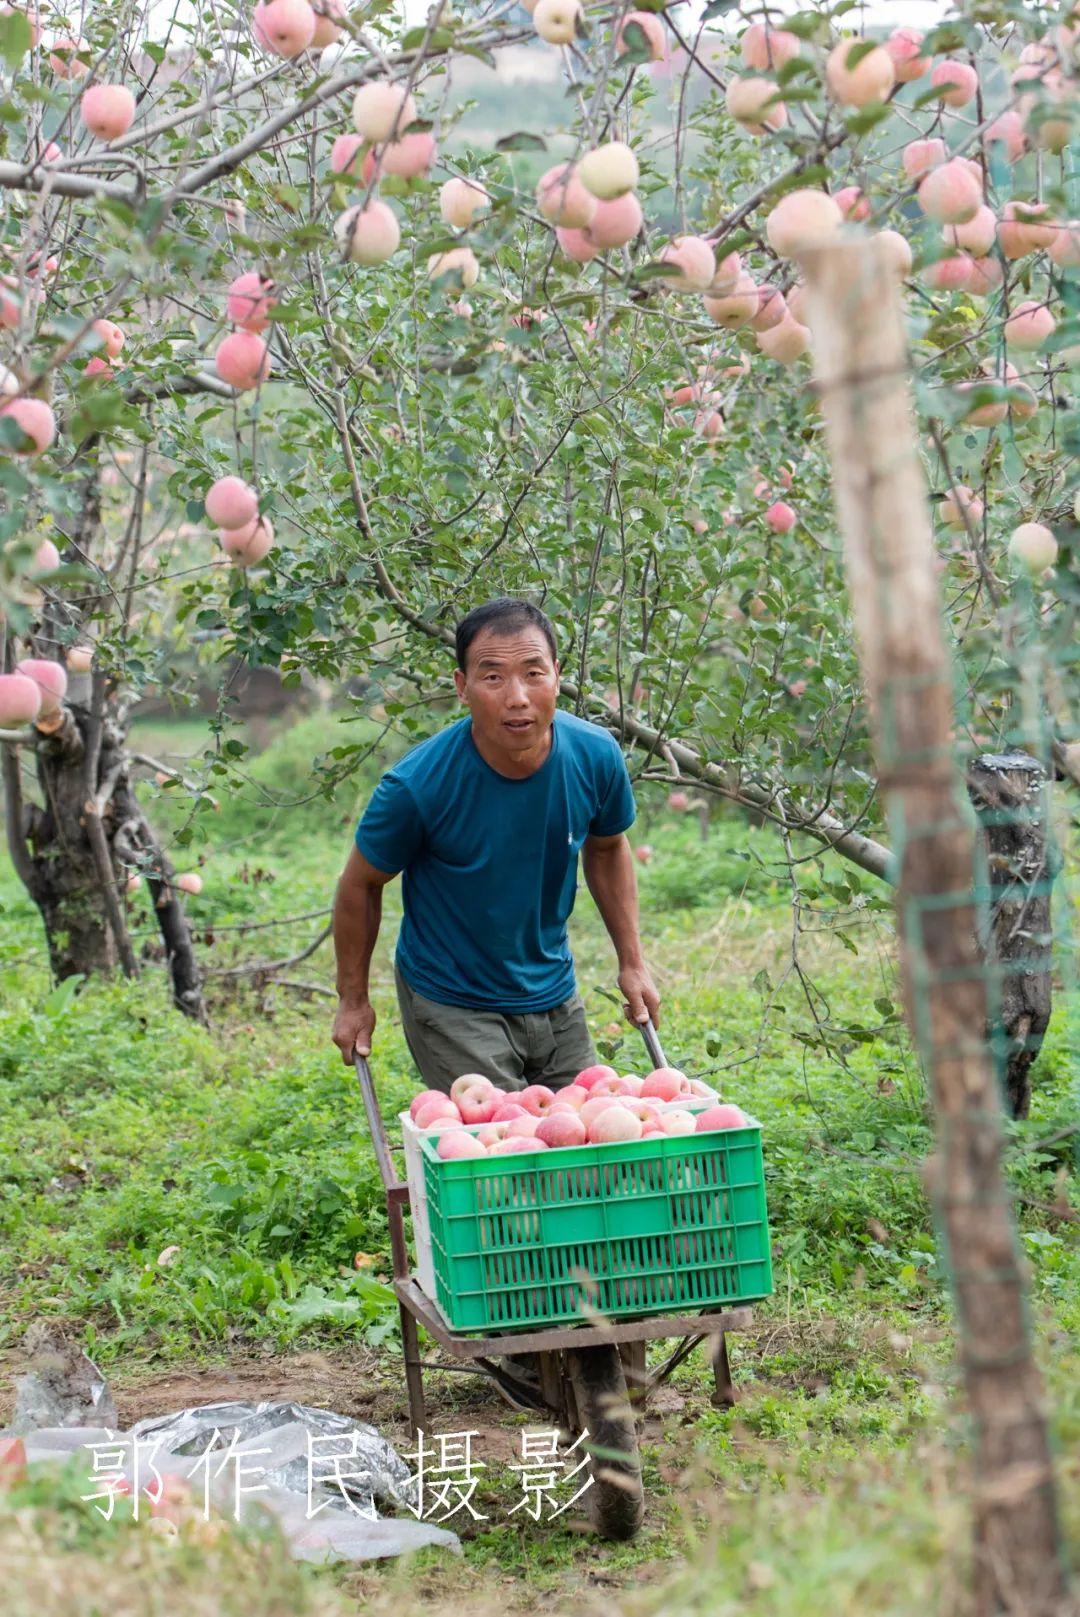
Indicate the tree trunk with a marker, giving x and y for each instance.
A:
(72, 874)
(1007, 790)
(861, 373)
(75, 851)
(52, 854)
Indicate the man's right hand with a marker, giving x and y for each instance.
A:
(354, 1025)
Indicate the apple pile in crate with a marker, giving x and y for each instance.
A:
(598, 1108)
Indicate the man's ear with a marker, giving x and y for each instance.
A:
(459, 683)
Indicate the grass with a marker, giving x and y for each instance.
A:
(837, 1484)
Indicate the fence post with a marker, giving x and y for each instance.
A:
(860, 359)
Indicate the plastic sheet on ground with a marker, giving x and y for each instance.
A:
(62, 1388)
(322, 1519)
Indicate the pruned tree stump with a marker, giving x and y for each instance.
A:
(1006, 790)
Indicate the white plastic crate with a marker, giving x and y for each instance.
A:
(414, 1174)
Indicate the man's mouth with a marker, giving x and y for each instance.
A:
(517, 724)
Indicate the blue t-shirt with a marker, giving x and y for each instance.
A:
(490, 864)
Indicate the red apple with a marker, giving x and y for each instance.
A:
(643, 1110)
(722, 1116)
(594, 1106)
(510, 1147)
(614, 1124)
(457, 1144)
(476, 1097)
(537, 1099)
(422, 1099)
(468, 1080)
(174, 1500)
(522, 1128)
(441, 1111)
(589, 1076)
(573, 1096)
(506, 1111)
(665, 1083)
(12, 1462)
(491, 1133)
(560, 1129)
(678, 1123)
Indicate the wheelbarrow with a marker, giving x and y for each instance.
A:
(592, 1377)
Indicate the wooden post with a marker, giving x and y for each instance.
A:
(861, 371)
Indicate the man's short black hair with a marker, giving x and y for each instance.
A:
(504, 616)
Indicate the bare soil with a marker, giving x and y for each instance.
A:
(351, 1381)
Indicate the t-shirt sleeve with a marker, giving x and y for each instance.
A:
(391, 832)
(617, 810)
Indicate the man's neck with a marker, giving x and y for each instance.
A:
(516, 765)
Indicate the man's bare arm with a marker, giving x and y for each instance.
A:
(609, 872)
(357, 915)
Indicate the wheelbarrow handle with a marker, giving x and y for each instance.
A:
(652, 1043)
(375, 1122)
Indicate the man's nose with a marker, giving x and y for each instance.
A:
(517, 694)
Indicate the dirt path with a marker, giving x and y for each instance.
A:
(369, 1387)
(350, 1381)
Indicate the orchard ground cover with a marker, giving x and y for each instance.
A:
(128, 1130)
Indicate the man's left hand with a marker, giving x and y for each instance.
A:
(642, 999)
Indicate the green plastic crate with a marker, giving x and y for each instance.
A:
(659, 1225)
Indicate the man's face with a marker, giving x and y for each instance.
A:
(511, 686)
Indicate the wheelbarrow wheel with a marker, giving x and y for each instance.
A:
(616, 1499)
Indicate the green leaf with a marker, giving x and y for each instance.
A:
(288, 1276)
(798, 67)
(482, 55)
(866, 118)
(935, 93)
(807, 25)
(15, 37)
(58, 1002)
(654, 272)
(521, 141)
(440, 39)
(950, 36)
(717, 8)
(442, 244)
(636, 46)
(816, 174)
(858, 53)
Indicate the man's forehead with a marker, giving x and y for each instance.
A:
(529, 645)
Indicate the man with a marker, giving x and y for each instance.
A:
(485, 822)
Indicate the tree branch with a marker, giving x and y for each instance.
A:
(256, 967)
(32, 177)
(198, 382)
